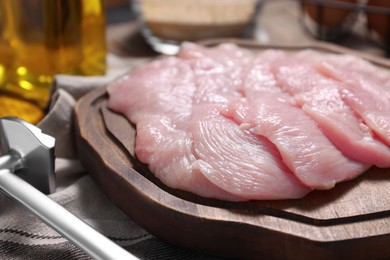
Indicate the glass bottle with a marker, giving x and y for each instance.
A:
(42, 38)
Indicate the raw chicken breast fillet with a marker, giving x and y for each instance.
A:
(239, 162)
(366, 90)
(229, 124)
(319, 97)
(303, 146)
(160, 104)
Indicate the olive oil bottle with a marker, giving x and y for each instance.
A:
(42, 38)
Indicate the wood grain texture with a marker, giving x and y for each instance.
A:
(351, 220)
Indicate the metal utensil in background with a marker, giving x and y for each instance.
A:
(27, 172)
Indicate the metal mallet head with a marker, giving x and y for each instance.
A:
(27, 172)
(30, 152)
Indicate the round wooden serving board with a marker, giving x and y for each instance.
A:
(352, 220)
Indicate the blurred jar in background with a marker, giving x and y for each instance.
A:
(165, 24)
(41, 38)
(330, 20)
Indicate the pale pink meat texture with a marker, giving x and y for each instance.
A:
(242, 163)
(226, 59)
(319, 97)
(364, 90)
(217, 80)
(302, 144)
(158, 99)
(230, 56)
(168, 151)
(168, 144)
(225, 123)
(165, 86)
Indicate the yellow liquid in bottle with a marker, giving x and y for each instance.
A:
(42, 38)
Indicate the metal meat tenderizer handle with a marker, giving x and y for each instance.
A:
(27, 172)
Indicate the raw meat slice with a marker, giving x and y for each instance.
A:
(217, 80)
(165, 86)
(230, 56)
(168, 151)
(213, 121)
(163, 140)
(319, 97)
(225, 61)
(347, 63)
(303, 146)
(372, 108)
(363, 91)
(214, 84)
(237, 161)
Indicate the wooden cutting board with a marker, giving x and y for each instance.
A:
(352, 220)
